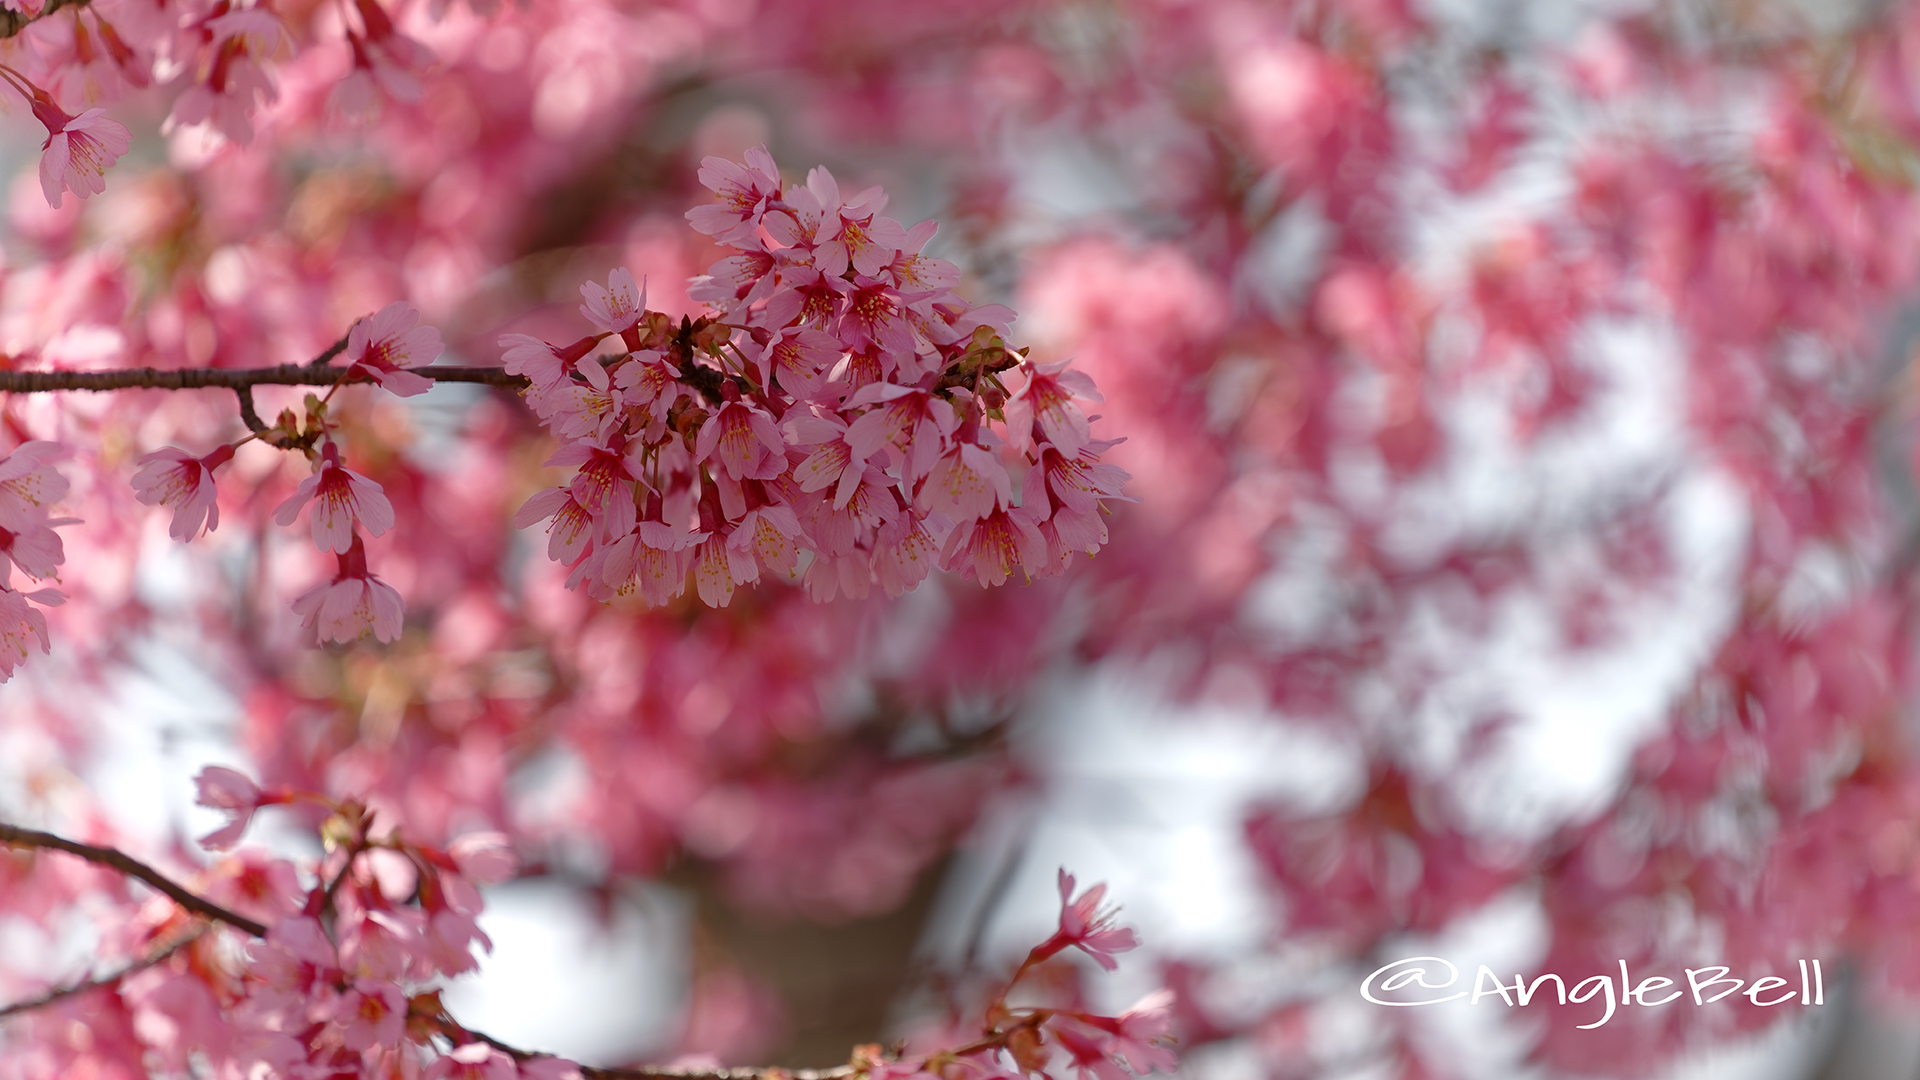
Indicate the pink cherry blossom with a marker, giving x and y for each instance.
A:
(78, 150)
(373, 1013)
(383, 58)
(990, 549)
(296, 956)
(384, 345)
(743, 440)
(29, 484)
(354, 604)
(37, 550)
(1143, 1032)
(343, 502)
(1084, 926)
(545, 365)
(172, 477)
(485, 857)
(744, 192)
(615, 308)
(967, 483)
(20, 626)
(232, 77)
(1048, 398)
(226, 789)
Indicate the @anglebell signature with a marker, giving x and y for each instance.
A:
(1414, 981)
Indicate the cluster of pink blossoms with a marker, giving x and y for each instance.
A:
(342, 978)
(340, 982)
(833, 420)
(345, 505)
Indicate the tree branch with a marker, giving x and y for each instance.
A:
(661, 1072)
(96, 983)
(14, 836)
(236, 379)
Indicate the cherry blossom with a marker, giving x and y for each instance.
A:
(232, 75)
(744, 191)
(616, 308)
(29, 484)
(343, 503)
(227, 789)
(354, 604)
(21, 624)
(1085, 926)
(383, 346)
(79, 150)
(172, 477)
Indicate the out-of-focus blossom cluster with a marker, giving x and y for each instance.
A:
(832, 421)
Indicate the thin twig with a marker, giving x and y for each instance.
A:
(14, 836)
(97, 982)
(39, 382)
(334, 349)
(248, 413)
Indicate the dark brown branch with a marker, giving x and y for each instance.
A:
(237, 379)
(14, 836)
(97, 982)
(12, 22)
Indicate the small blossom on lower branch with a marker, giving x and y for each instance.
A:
(354, 604)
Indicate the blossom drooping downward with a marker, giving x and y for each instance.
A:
(354, 604)
(175, 478)
(343, 501)
(78, 150)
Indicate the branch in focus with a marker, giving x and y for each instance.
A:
(236, 379)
